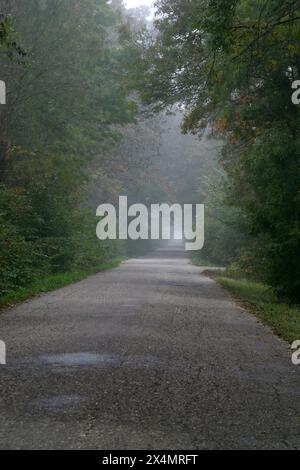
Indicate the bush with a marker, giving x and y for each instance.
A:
(20, 263)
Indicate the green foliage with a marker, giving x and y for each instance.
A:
(53, 282)
(19, 259)
(283, 318)
(232, 63)
(65, 100)
(8, 40)
(71, 90)
(224, 237)
(269, 174)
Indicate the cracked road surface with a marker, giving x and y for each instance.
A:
(151, 355)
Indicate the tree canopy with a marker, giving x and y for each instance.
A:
(231, 64)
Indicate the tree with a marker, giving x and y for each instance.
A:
(232, 63)
(63, 105)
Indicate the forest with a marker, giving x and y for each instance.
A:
(193, 106)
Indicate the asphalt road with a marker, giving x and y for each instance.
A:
(151, 355)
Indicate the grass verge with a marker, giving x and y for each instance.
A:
(284, 319)
(198, 261)
(54, 282)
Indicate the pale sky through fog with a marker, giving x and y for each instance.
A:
(137, 3)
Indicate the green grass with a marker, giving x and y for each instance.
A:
(200, 261)
(54, 282)
(284, 319)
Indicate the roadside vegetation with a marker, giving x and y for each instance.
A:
(74, 135)
(69, 109)
(53, 282)
(96, 95)
(60, 114)
(259, 299)
(232, 65)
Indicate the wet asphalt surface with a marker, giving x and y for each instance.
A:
(151, 355)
